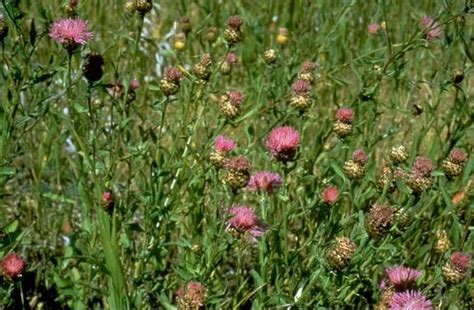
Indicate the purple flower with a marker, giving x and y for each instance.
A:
(283, 142)
(431, 28)
(265, 181)
(401, 278)
(373, 28)
(72, 31)
(244, 220)
(223, 144)
(410, 300)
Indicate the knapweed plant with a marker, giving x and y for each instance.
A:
(206, 154)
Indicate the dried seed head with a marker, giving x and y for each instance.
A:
(457, 76)
(398, 154)
(451, 169)
(341, 129)
(353, 170)
(403, 218)
(340, 255)
(442, 244)
(270, 56)
(3, 28)
(93, 67)
(168, 88)
(202, 70)
(379, 220)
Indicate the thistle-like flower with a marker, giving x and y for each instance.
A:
(229, 62)
(455, 163)
(170, 83)
(398, 154)
(442, 244)
(344, 119)
(410, 300)
(192, 296)
(307, 71)
(230, 104)
(202, 70)
(265, 181)
(233, 32)
(222, 146)
(283, 142)
(379, 220)
(431, 29)
(457, 268)
(71, 33)
(355, 168)
(237, 172)
(301, 99)
(373, 28)
(400, 278)
(13, 266)
(330, 195)
(245, 222)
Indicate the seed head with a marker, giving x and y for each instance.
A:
(353, 170)
(341, 129)
(457, 268)
(442, 244)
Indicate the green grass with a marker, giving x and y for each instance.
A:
(168, 226)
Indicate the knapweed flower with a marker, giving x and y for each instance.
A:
(307, 71)
(410, 300)
(431, 28)
(71, 33)
(170, 83)
(222, 146)
(454, 164)
(330, 195)
(283, 142)
(237, 172)
(244, 220)
(265, 181)
(300, 99)
(340, 255)
(233, 33)
(13, 266)
(202, 70)
(423, 166)
(343, 125)
(360, 157)
(230, 104)
(229, 62)
(420, 178)
(193, 296)
(442, 244)
(457, 268)
(108, 201)
(398, 154)
(401, 278)
(379, 220)
(373, 28)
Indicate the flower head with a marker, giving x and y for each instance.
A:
(13, 266)
(235, 97)
(373, 28)
(283, 142)
(223, 144)
(410, 300)
(330, 195)
(457, 156)
(173, 75)
(231, 58)
(401, 278)
(360, 157)
(71, 32)
(244, 220)
(301, 87)
(460, 261)
(423, 166)
(265, 181)
(192, 296)
(431, 28)
(238, 163)
(234, 22)
(345, 115)
(308, 66)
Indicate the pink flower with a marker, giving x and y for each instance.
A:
(283, 142)
(231, 58)
(236, 98)
(359, 156)
(174, 75)
(431, 28)
(223, 144)
(423, 166)
(457, 156)
(13, 266)
(265, 181)
(70, 32)
(134, 84)
(373, 28)
(410, 300)
(461, 261)
(345, 115)
(238, 163)
(194, 295)
(402, 278)
(308, 66)
(330, 195)
(301, 87)
(107, 197)
(245, 220)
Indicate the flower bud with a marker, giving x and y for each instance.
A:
(340, 255)
(442, 244)
(270, 56)
(398, 154)
(212, 34)
(233, 33)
